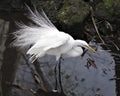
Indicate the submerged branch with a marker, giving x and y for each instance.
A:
(21, 87)
(38, 74)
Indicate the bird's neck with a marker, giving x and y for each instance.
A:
(78, 42)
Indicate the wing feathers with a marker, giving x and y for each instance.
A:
(28, 35)
(41, 47)
(43, 38)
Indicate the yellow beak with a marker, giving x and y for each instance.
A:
(91, 49)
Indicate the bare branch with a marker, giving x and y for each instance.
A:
(93, 20)
(21, 88)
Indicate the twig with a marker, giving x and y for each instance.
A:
(91, 63)
(93, 20)
(34, 74)
(21, 88)
(38, 74)
(45, 84)
(109, 25)
(115, 45)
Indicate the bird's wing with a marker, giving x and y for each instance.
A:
(40, 48)
(28, 35)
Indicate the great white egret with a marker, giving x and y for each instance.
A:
(46, 39)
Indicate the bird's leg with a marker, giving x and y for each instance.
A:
(59, 73)
(55, 70)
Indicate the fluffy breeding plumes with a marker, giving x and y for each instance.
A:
(47, 39)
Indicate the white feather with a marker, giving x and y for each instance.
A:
(43, 37)
(28, 35)
(49, 42)
(46, 39)
(40, 19)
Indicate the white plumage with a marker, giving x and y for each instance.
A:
(47, 39)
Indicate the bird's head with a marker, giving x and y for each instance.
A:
(84, 44)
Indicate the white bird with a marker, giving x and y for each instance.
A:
(46, 39)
